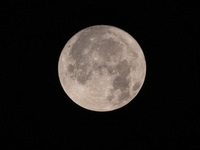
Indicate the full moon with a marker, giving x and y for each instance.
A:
(102, 68)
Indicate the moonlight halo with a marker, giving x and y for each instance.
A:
(102, 68)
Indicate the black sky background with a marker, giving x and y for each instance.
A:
(37, 114)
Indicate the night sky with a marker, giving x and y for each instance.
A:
(37, 114)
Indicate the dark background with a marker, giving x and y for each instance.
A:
(37, 114)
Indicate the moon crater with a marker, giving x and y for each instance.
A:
(102, 68)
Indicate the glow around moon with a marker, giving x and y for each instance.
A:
(102, 68)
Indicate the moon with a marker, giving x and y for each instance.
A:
(102, 68)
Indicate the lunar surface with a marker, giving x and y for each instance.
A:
(102, 68)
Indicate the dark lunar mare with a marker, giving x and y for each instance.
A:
(80, 70)
(136, 86)
(107, 48)
(122, 83)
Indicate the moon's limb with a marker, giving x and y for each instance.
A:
(102, 68)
